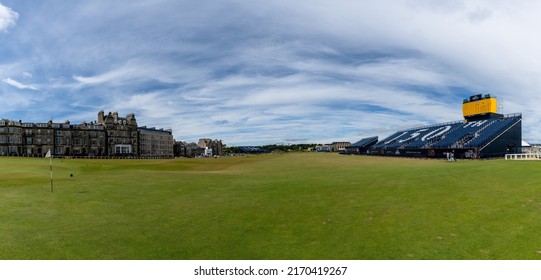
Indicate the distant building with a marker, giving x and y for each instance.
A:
(535, 148)
(11, 137)
(179, 149)
(121, 133)
(216, 147)
(155, 142)
(208, 152)
(110, 135)
(88, 139)
(324, 148)
(340, 146)
(185, 149)
(205, 147)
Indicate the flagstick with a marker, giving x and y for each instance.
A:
(50, 156)
(51, 168)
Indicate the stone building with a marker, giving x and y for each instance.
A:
(155, 142)
(43, 138)
(340, 146)
(185, 149)
(111, 135)
(215, 146)
(28, 139)
(121, 133)
(88, 139)
(11, 137)
(62, 138)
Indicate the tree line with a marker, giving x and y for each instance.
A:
(275, 148)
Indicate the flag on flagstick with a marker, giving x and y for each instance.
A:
(48, 155)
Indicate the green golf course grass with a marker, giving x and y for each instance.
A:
(271, 207)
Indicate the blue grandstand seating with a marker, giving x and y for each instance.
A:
(252, 150)
(416, 137)
(496, 127)
(434, 134)
(465, 133)
(458, 134)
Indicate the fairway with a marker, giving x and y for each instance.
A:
(283, 206)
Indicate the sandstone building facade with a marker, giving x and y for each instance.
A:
(121, 133)
(110, 135)
(205, 147)
(212, 147)
(155, 142)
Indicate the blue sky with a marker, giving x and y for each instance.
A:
(265, 72)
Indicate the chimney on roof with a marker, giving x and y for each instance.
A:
(101, 117)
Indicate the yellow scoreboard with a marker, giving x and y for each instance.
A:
(478, 105)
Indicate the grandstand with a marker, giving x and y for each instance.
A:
(483, 133)
(252, 150)
(361, 146)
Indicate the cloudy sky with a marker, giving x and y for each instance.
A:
(265, 72)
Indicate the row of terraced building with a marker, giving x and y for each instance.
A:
(109, 136)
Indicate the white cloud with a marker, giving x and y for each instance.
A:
(242, 69)
(114, 76)
(18, 85)
(7, 17)
(136, 71)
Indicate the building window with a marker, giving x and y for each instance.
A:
(123, 149)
